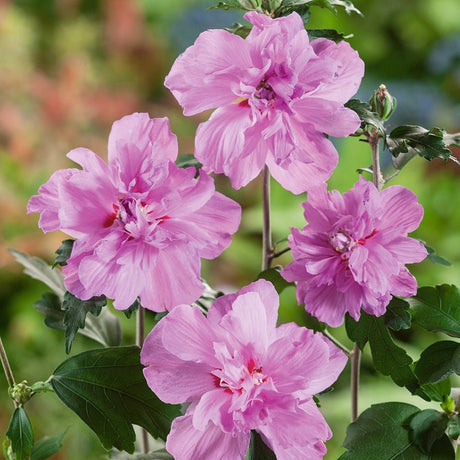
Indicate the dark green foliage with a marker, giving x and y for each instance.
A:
(416, 140)
(397, 316)
(274, 276)
(63, 253)
(435, 258)
(330, 34)
(366, 115)
(75, 314)
(132, 308)
(437, 309)
(107, 390)
(47, 446)
(20, 434)
(258, 450)
(426, 427)
(50, 306)
(438, 362)
(388, 431)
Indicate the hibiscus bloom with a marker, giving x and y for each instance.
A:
(352, 253)
(276, 93)
(241, 373)
(141, 223)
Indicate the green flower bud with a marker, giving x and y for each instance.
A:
(21, 392)
(383, 103)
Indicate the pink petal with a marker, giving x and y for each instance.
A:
(207, 74)
(328, 117)
(170, 378)
(214, 406)
(222, 146)
(404, 284)
(188, 335)
(401, 209)
(185, 442)
(175, 279)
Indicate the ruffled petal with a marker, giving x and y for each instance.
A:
(208, 73)
(185, 442)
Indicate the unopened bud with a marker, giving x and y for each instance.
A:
(21, 392)
(383, 103)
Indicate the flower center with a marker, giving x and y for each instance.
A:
(127, 210)
(264, 91)
(342, 241)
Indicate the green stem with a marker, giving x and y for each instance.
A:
(7, 368)
(140, 334)
(336, 342)
(267, 249)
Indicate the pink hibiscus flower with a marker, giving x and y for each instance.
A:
(241, 373)
(141, 223)
(276, 93)
(352, 253)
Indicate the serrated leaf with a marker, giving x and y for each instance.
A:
(410, 139)
(50, 306)
(47, 446)
(274, 276)
(435, 391)
(75, 314)
(20, 434)
(438, 361)
(330, 34)
(63, 253)
(365, 114)
(106, 388)
(389, 358)
(437, 309)
(38, 269)
(104, 329)
(397, 316)
(258, 450)
(426, 427)
(132, 309)
(381, 432)
(229, 5)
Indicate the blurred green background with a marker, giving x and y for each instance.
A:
(69, 68)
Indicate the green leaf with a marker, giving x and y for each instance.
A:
(380, 432)
(365, 114)
(50, 306)
(63, 253)
(132, 308)
(106, 388)
(186, 160)
(426, 427)
(435, 258)
(274, 276)
(207, 298)
(429, 144)
(437, 309)
(389, 359)
(38, 269)
(331, 5)
(258, 450)
(47, 446)
(453, 427)
(438, 362)
(435, 391)
(397, 316)
(104, 329)
(75, 314)
(239, 29)
(330, 34)
(20, 434)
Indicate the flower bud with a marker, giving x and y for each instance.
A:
(21, 392)
(383, 103)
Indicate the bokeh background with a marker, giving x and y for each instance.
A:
(69, 68)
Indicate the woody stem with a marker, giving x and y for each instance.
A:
(140, 334)
(267, 249)
(7, 368)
